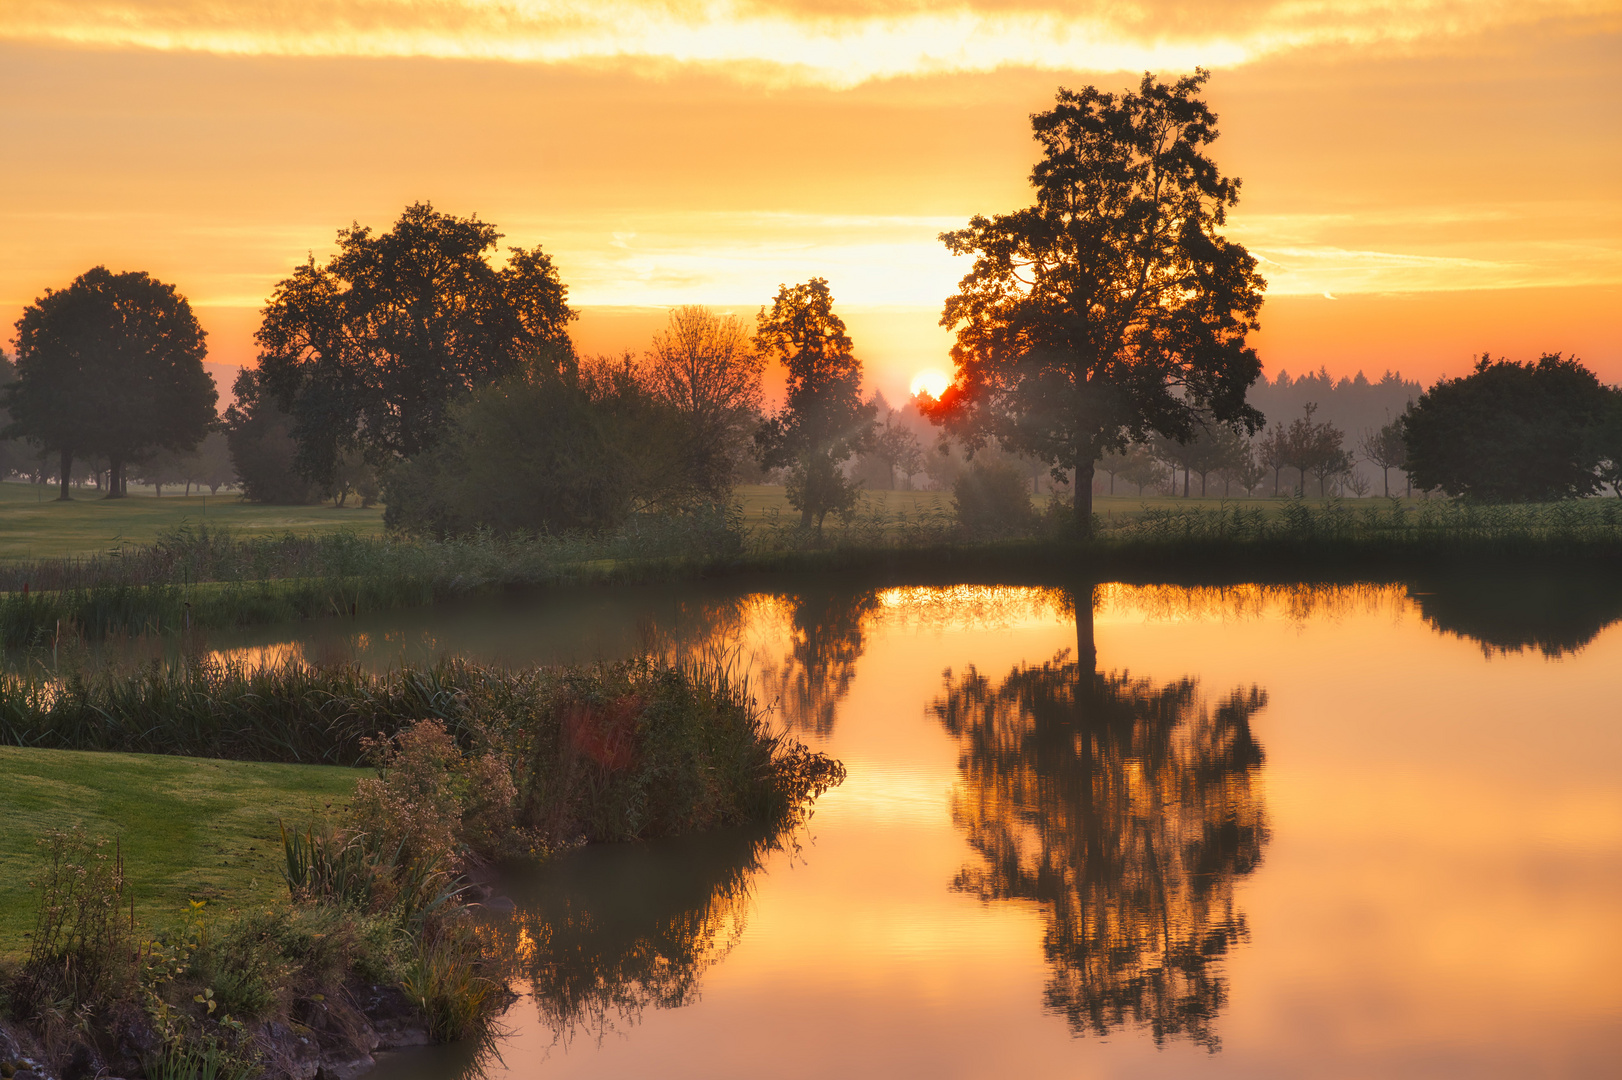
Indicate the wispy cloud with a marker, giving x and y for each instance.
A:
(839, 44)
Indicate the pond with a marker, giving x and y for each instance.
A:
(1103, 831)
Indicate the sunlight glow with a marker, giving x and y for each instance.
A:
(781, 42)
(931, 382)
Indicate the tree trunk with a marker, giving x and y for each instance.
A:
(1086, 644)
(1185, 481)
(115, 478)
(1202, 485)
(67, 471)
(1084, 499)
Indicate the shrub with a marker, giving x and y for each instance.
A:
(432, 802)
(993, 500)
(525, 456)
(82, 951)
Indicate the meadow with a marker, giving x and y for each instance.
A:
(33, 525)
(189, 828)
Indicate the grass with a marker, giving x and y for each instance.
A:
(189, 828)
(34, 526)
(199, 576)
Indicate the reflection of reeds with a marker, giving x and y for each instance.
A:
(611, 934)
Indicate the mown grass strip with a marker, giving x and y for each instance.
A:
(191, 828)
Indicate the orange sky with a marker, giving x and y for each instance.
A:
(1446, 171)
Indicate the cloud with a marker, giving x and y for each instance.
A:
(837, 44)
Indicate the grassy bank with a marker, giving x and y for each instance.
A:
(472, 764)
(207, 579)
(197, 829)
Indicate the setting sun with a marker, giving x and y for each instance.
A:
(929, 381)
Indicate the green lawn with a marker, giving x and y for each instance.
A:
(191, 828)
(32, 527)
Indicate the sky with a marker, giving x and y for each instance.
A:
(1423, 181)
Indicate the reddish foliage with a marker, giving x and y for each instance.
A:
(606, 734)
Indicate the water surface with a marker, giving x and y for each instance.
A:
(1122, 831)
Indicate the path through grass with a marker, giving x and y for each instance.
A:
(191, 828)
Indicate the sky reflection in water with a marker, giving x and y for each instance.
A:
(1266, 831)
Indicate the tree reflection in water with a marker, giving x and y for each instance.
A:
(825, 642)
(607, 932)
(1555, 613)
(1128, 810)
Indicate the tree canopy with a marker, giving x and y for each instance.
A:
(704, 367)
(824, 419)
(112, 366)
(1113, 307)
(371, 349)
(1510, 432)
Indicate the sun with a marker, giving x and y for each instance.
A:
(931, 382)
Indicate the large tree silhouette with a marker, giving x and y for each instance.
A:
(1510, 432)
(112, 366)
(1113, 307)
(1127, 809)
(370, 350)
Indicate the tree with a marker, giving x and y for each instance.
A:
(1113, 307)
(1271, 452)
(1241, 467)
(370, 350)
(524, 456)
(1142, 469)
(210, 464)
(13, 452)
(823, 420)
(990, 499)
(1383, 448)
(113, 364)
(259, 434)
(704, 367)
(892, 448)
(551, 453)
(1113, 461)
(1314, 448)
(1509, 432)
(1211, 447)
(1608, 444)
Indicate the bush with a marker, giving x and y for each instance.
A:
(993, 500)
(430, 801)
(82, 952)
(525, 456)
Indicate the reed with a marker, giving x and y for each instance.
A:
(209, 579)
(617, 751)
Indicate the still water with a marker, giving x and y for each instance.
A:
(1104, 832)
